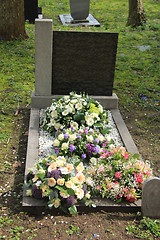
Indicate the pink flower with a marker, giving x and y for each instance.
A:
(139, 179)
(118, 175)
(126, 156)
(98, 187)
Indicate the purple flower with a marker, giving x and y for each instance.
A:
(56, 173)
(36, 192)
(70, 201)
(72, 147)
(96, 140)
(83, 156)
(79, 137)
(66, 135)
(96, 149)
(89, 147)
(85, 189)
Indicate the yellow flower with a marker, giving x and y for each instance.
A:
(52, 166)
(60, 181)
(80, 167)
(69, 184)
(57, 202)
(79, 192)
(56, 143)
(63, 194)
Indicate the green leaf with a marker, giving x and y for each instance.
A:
(136, 155)
(73, 210)
(41, 175)
(78, 117)
(70, 191)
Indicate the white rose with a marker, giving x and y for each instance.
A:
(54, 114)
(101, 138)
(56, 143)
(61, 137)
(52, 107)
(89, 138)
(72, 137)
(64, 146)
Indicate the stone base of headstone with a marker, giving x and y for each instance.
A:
(66, 19)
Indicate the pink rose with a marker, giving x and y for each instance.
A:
(118, 175)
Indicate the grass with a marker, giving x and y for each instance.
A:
(138, 88)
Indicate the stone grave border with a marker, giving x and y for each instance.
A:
(42, 98)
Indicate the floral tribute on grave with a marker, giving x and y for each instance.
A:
(83, 161)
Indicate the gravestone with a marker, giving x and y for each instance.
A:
(31, 10)
(83, 62)
(151, 197)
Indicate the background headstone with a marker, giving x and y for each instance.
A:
(31, 10)
(151, 197)
(83, 62)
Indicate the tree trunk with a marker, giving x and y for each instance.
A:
(136, 13)
(12, 23)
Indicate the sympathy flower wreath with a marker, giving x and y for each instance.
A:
(74, 111)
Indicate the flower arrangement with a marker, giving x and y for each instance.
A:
(75, 110)
(85, 142)
(119, 175)
(62, 183)
(86, 162)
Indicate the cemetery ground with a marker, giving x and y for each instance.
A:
(138, 89)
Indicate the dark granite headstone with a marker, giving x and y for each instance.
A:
(83, 62)
(31, 10)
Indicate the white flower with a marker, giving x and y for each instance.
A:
(95, 115)
(64, 146)
(29, 192)
(93, 161)
(100, 137)
(54, 114)
(64, 170)
(52, 123)
(52, 107)
(72, 137)
(78, 106)
(61, 137)
(65, 112)
(88, 195)
(89, 181)
(79, 192)
(90, 122)
(56, 143)
(74, 101)
(89, 138)
(74, 124)
(38, 183)
(57, 125)
(100, 108)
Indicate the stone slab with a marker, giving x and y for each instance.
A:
(151, 197)
(32, 157)
(83, 62)
(109, 102)
(66, 19)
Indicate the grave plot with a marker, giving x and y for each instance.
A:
(51, 68)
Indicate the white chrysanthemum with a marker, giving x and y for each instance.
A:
(61, 137)
(89, 138)
(56, 143)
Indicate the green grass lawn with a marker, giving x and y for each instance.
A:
(137, 84)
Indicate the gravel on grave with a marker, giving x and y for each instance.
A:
(46, 141)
